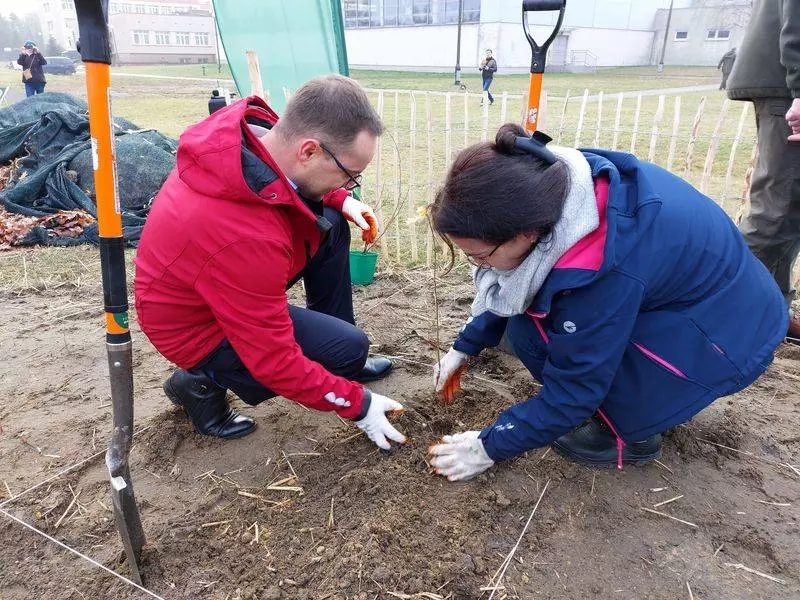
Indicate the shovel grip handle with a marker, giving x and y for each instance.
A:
(536, 5)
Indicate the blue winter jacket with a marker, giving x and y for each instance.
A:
(650, 318)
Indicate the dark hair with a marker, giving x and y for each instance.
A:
(496, 191)
(333, 108)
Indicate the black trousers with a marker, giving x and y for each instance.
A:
(325, 330)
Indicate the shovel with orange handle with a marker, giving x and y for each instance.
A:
(538, 55)
(95, 50)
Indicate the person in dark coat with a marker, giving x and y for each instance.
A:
(32, 61)
(488, 68)
(629, 295)
(726, 64)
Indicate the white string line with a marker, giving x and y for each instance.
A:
(83, 556)
(63, 472)
(467, 374)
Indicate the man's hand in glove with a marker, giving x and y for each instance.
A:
(460, 456)
(377, 426)
(447, 374)
(361, 214)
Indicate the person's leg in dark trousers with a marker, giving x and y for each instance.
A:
(327, 275)
(30, 89)
(338, 346)
(486, 84)
(772, 229)
(39, 88)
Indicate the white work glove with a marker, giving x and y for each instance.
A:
(447, 374)
(460, 456)
(354, 210)
(377, 426)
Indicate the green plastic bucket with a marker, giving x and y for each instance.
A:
(362, 267)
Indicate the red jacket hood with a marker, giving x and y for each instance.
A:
(210, 155)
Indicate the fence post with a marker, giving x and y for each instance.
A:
(466, 119)
(542, 110)
(563, 118)
(599, 121)
(397, 176)
(748, 177)
(734, 147)
(580, 117)
(429, 132)
(378, 186)
(673, 140)
(485, 115)
(254, 74)
(412, 179)
(503, 108)
(654, 131)
(616, 122)
(692, 137)
(636, 123)
(448, 128)
(712, 148)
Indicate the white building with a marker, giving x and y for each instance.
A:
(421, 34)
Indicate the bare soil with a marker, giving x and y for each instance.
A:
(350, 521)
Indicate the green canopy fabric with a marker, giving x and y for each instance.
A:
(295, 40)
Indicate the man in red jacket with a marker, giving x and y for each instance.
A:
(254, 204)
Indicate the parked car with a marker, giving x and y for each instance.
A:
(59, 65)
(73, 55)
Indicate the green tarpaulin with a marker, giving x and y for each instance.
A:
(294, 40)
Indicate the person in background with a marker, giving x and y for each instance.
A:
(629, 295)
(726, 64)
(32, 61)
(488, 68)
(767, 73)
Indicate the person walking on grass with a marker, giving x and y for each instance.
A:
(32, 61)
(254, 204)
(726, 64)
(488, 68)
(629, 295)
(767, 73)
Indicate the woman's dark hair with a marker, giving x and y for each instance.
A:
(495, 191)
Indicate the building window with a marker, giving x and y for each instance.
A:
(49, 26)
(394, 13)
(46, 7)
(67, 5)
(718, 34)
(201, 39)
(681, 35)
(162, 38)
(141, 38)
(182, 38)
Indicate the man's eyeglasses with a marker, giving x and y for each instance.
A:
(355, 180)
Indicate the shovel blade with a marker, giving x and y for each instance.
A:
(129, 523)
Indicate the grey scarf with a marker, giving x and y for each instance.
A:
(508, 293)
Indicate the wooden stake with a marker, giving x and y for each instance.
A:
(616, 122)
(585, 99)
(748, 177)
(254, 74)
(330, 518)
(734, 147)
(687, 169)
(466, 119)
(448, 129)
(563, 118)
(410, 203)
(485, 116)
(429, 197)
(636, 123)
(651, 155)
(673, 139)
(667, 501)
(382, 248)
(599, 121)
(397, 182)
(712, 148)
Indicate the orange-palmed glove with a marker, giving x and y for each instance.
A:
(447, 374)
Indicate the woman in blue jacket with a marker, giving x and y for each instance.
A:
(630, 296)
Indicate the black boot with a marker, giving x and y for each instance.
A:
(206, 405)
(594, 444)
(375, 368)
